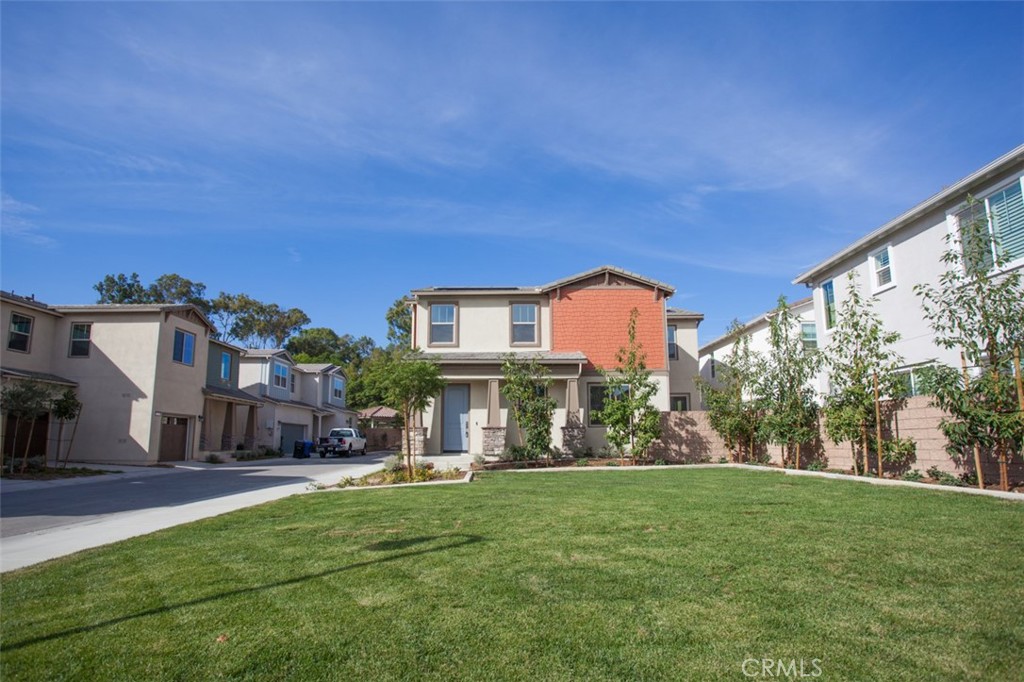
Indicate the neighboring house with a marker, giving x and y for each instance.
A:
(907, 251)
(682, 358)
(378, 417)
(139, 371)
(229, 413)
(572, 326)
(299, 402)
(713, 354)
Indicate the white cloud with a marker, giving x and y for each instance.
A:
(17, 225)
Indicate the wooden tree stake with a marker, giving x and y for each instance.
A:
(878, 425)
(977, 448)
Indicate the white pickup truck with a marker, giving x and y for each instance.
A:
(343, 442)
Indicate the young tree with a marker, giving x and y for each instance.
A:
(860, 350)
(633, 422)
(791, 417)
(526, 388)
(64, 409)
(978, 307)
(407, 382)
(25, 400)
(734, 410)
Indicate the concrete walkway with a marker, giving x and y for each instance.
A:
(43, 520)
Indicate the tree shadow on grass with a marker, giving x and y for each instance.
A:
(461, 540)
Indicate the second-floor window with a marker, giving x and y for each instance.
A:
(81, 340)
(291, 379)
(809, 335)
(225, 366)
(1002, 213)
(337, 388)
(673, 353)
(20, 333)
(280, 375)
(184, 347)
(881, 269)
(442, 323)
(524, 323)
(828, 297)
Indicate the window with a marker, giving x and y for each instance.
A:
(809, 335)
(442, 323)
(291, 380)
(337, 388)
(680, 403)
(712, 363)
(280, 375)
(598, 393)
(225, 366)
(20, 333)
(828, 295)
(524, 323)
(184, 347)
(916, 380)
(1003, 214)
(81, 334)
(672, 352)
(881, 270)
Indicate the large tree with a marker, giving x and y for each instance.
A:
(791, 416)
(254, 323)
(633, 422)
(859, 357)
(978, 308)
(733, 403)
(168, 288)
(399, 319)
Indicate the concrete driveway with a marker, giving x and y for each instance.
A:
(41, 520)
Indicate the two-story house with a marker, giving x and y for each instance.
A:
(138, 370)
(714, 353)
(573, 327)
(229, 413)
(907, 251)
(298, 401)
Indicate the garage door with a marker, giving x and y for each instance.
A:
(289, 434)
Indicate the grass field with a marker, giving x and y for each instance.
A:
(675, 574)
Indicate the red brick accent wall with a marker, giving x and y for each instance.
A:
(594, 320)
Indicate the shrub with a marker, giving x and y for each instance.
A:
(393, 463)
(214, 458)
(660, 463)
(944, 477)
(816, 465)
(723, 460)
(581, 462)
(240, 446)
(612, 463)
(914, 475)
(479, 460)
(346, 482)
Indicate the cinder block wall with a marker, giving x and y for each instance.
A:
(688, 436)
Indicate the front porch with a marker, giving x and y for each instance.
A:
(229, 421)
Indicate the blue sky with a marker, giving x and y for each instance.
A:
(333, 156)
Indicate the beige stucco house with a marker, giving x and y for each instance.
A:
(139, 371)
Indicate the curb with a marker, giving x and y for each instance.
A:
(999, 494)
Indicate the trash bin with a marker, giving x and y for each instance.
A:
(301, 449)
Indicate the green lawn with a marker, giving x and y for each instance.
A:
(675, 574)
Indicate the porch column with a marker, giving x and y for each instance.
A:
(494, 432)
(228, 432)
(204, 430)
(250, 428)
(574, 431)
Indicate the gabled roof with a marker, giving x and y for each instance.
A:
(611, 269)
(749, 326)
(379, 412)
(543, 288)
(221, 342)
(315, 367)
(956, 191)
(264, 353)
(233, 394)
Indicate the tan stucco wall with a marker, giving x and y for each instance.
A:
(42, 341)
(484, 324)
(684, 368)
